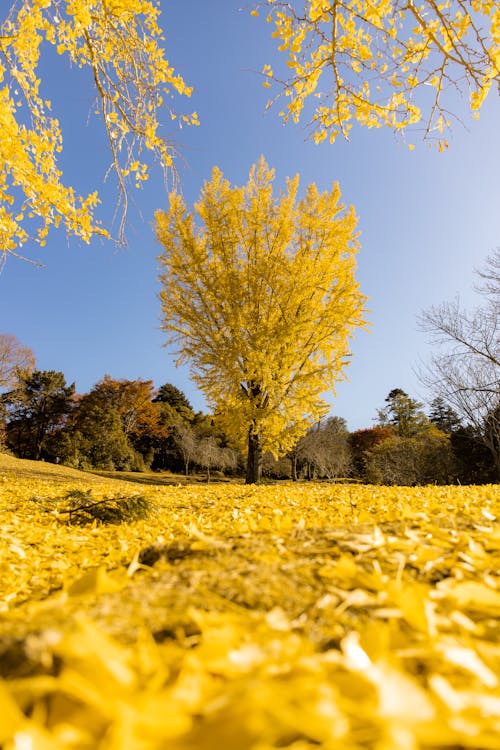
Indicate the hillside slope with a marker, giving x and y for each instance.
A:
(11, 467)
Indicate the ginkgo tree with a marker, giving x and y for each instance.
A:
(119, 42)
(382, 62)
(261, 300)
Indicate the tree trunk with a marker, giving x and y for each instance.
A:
(491, 439)
(254, 459)
(293, 461)
(496, 458)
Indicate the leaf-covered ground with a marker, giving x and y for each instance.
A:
(246, 618)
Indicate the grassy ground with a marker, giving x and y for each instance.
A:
(284, 616)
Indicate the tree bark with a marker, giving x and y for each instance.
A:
(254, 458)
(496, 461)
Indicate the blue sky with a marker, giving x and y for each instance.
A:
(426, 219)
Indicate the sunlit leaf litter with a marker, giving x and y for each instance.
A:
(281, 616)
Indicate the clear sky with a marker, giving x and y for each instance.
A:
(426, 219)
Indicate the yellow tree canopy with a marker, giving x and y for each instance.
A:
(119, 40)
(261, 299)
(383, 62)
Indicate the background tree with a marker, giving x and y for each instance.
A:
(472, 459)
(176, 420)
(3, 428)
(261, 300)
(325, 449)
(443, 416)
(186, 442)
(403, 414)
(170, 394)
(119, 42)
(209, 455)
(133, 400)
(277, 468)
(95, 438)
(364, 441)
(15, 361)
(390, 63)
(465, 370)
(490, 279)
(116, 425)
(37, 407)
(424, 459)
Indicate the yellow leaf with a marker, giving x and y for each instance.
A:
(94, 581)
(473, 595)
(401, 698)
(11, 716)
(414, 604)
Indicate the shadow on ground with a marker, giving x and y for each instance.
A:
(162, 480)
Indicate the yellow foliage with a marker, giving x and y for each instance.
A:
(299, 616)
(261, 300)
(411, 48)
(120, 42)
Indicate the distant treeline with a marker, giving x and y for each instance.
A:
(128, 425)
